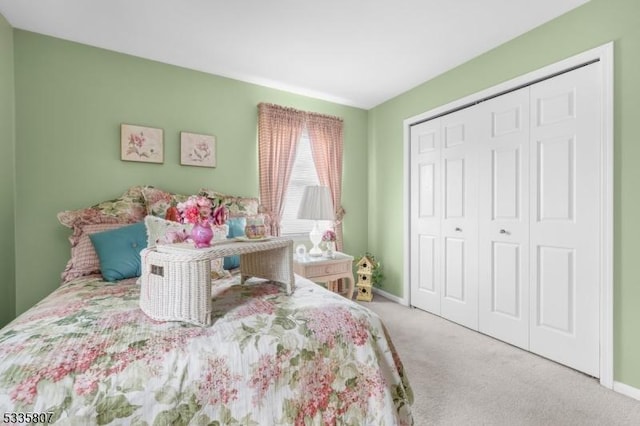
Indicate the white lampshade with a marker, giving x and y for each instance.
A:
(316, 204)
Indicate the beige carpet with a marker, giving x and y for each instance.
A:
(461, 377)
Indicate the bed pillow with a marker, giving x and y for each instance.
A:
(161, 231)
(237, 206)
(119, 251)
(84, 259)
(128, 208)
(158, 201)
(236, 229)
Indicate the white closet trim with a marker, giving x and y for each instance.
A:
(604, 54)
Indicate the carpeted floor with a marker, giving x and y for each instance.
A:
(461, 377)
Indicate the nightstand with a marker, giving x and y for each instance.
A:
(326, 270)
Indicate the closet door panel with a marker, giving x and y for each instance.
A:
(506, 197)
(506, 284)
(556, 180)
(454, 277)
(454, 170)
(556, 288)
(425, 261)
(503, 215)
(459, 222)
(427, 266)
(565, 210)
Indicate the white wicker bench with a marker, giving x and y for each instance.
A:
(176, 278)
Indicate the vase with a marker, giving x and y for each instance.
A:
(201, 235)
(331, 249)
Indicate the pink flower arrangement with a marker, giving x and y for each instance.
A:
(199, 210)
(329, 235)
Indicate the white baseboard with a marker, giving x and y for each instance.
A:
(627, 390)
(390, 296)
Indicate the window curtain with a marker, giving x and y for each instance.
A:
(279, 130)
(325, 135)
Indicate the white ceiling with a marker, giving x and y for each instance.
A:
(354, 52)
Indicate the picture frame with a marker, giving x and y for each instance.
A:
(141, 144)
(197, 150)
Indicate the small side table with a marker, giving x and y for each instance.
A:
(326, 270)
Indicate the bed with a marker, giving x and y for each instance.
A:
(87, 354)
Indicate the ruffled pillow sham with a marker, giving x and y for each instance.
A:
(157, 201)
(128, 208)
(111, 214)
(237, 206)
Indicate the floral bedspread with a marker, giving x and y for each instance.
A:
(87, 354)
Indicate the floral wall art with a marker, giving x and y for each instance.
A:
(143, 144)
(197, 150)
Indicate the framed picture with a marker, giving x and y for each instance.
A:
(138, 143)
(197, 150)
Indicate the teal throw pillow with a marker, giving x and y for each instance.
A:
(119, 251)
(236, 229)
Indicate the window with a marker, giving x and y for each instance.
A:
(303, 174)
(278, 129)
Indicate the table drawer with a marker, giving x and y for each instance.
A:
(331, 269)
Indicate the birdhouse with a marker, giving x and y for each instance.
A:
(365, 265)
(365, 292)
(364, 285)
(364, 278)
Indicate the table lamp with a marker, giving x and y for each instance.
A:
(316, 205)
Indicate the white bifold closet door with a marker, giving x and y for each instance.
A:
(426, 212)
(459, 242)
(444, 211)
(565, 210)
(505, 216)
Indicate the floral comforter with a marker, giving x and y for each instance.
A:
(87, 354)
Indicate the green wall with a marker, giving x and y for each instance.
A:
(70, 102)
(7, 175)
(591, 25)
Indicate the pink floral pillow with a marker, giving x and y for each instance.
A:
(129, 208)
(158, 201)
(237, 206)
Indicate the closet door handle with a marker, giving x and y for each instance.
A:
(458, 229)
(504, 231)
